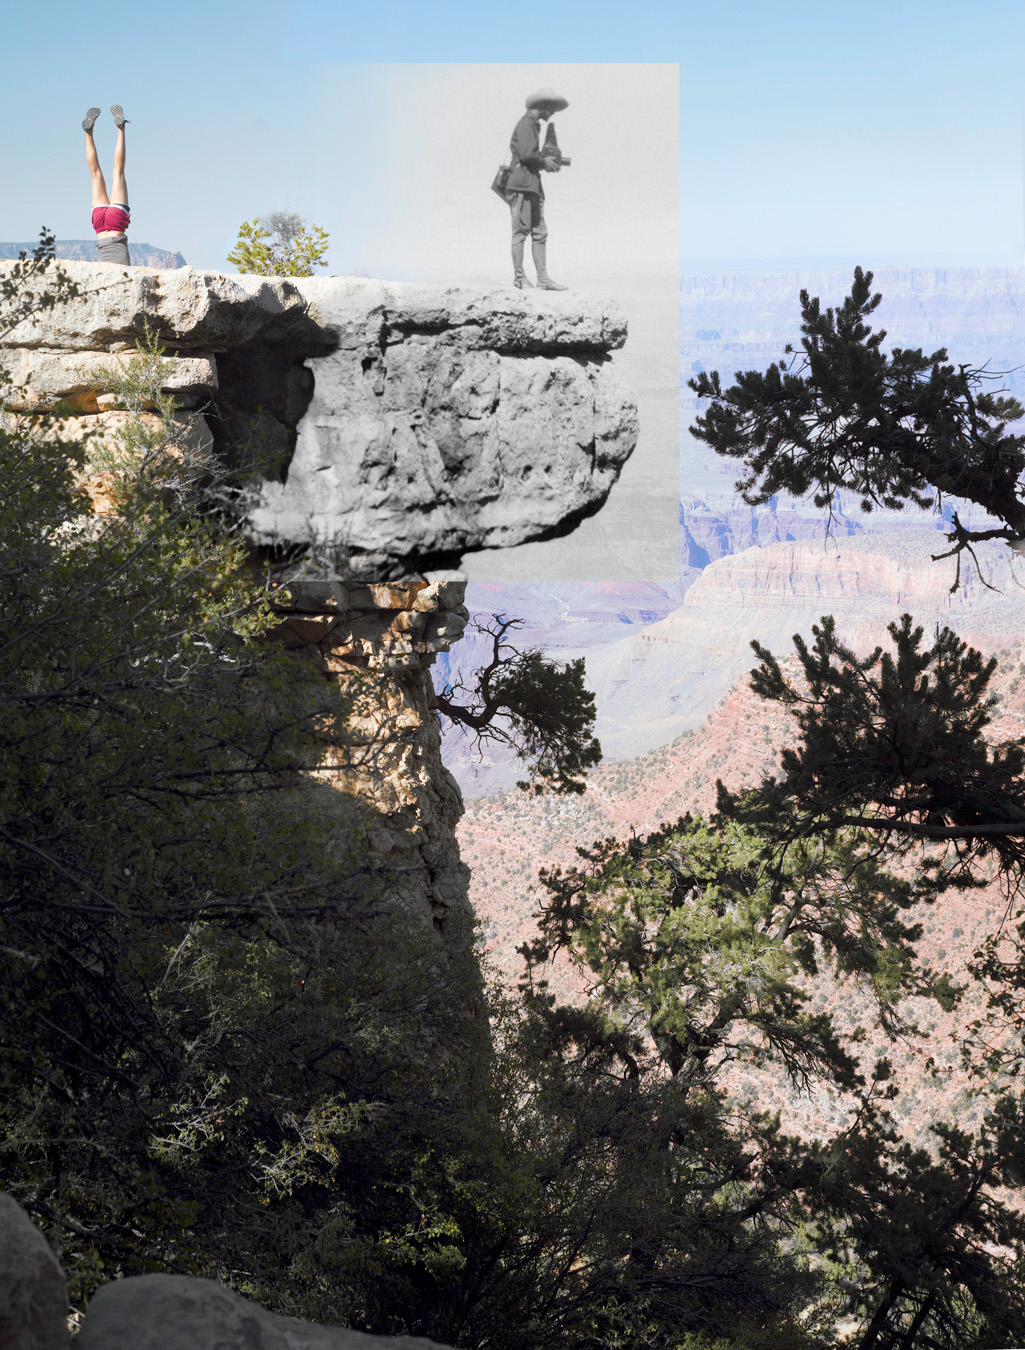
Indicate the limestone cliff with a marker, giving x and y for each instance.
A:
(393, 427)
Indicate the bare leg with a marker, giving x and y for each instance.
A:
(120, 186)
(100, 197)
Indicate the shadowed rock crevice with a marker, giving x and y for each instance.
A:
(263, 394)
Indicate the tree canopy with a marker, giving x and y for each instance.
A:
(540, 708)
(891, 427)
(892, 743)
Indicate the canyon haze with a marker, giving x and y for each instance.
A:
(661, 652)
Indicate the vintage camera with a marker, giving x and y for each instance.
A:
(550, 149)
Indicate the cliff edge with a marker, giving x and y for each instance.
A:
(383, 429)
(395, 426)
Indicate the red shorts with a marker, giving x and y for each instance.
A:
(111, 218)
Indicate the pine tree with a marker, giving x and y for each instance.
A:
(890, 428)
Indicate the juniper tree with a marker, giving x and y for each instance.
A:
(892, 743)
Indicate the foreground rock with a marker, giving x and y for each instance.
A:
(33, 1292)
(145, 1312)
(176, 1312)
(396, 426)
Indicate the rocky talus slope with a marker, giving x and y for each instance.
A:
(699, 654)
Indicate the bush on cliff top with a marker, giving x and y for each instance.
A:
(290, 248)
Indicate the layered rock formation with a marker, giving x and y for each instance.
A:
(657, 683)
(396, 426)
(712, 531)
(391, 633)
(392, 427)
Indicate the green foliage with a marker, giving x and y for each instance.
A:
(32, 286)
(289, 249)
(698, 940)
(212, 1018)
(927, 1235)
(893, 744)
(890, 428)
(697, 937)
(539, 707)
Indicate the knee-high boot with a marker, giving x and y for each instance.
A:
(539, 252)
(519, 276)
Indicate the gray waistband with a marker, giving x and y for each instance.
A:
(114, 250)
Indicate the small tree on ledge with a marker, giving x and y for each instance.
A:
(288, 248)
(541, 708)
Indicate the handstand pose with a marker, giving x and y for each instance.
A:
(110, 219)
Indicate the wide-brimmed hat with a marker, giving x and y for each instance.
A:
(547, 98)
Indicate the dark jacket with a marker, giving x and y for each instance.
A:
(526, 157)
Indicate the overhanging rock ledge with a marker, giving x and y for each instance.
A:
(398, 424)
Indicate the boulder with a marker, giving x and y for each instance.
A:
(178, 1312)
(33, 1291)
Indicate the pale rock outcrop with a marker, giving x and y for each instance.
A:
(187, 310)
(33, 1291)
(399, 425)
(44, 379)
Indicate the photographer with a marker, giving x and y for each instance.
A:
(524, 192)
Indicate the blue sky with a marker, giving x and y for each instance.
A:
(809, 132)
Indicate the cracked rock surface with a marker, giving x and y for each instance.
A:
(398, 425)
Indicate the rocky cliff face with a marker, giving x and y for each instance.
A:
(709, 532)
(396, 426)
(393, 427)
